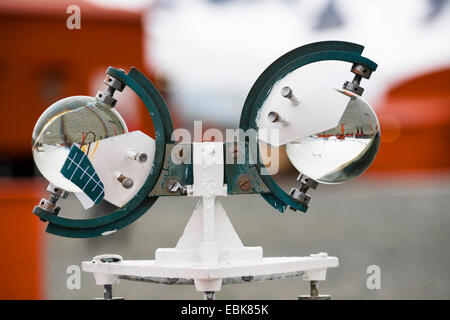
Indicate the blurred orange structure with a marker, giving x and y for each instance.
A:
(415, 125)
(43, 61)
(21, 241)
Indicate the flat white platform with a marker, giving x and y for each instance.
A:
(148, 268)
(209, 277)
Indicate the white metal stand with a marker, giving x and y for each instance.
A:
(209, 253)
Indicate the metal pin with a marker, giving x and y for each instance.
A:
(107, 292)
(275, 117)
(288, 94)
(127, 183)
(208, 295)
(314, 291)
(141, 157)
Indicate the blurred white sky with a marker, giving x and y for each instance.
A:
(127, 4)
(213, 51)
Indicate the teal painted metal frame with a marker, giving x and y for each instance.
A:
(136, 207)
(297, 58)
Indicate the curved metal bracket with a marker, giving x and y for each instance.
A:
(310, 53)
(140, 203)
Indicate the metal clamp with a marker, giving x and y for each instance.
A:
(300, 194)
(113, 84)
(360, 72)
(50, 204)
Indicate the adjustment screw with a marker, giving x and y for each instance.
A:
(173, 185)
(244, 183)
(127, 183)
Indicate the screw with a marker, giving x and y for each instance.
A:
(127, 183)
(286, 92)
(235, 151)
(273, 116)
(314, 290)
(173, 185)
(142, 157)
(107, 293)
(244, 183)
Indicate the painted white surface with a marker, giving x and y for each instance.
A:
(85, 201)
(207, 158)
(110, 156)
(319, 108)
(273, 265)
(224, 232)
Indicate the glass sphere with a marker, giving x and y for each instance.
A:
(342, 153)
(77, 119)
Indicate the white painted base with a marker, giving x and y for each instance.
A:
(208, 263)
(209, 277)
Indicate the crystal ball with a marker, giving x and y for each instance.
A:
(79, 119)
(342, 153)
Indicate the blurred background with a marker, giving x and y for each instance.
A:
(204, 56)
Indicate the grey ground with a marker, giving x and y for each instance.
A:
(400, 224)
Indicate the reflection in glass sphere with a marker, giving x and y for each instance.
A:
(342, 153)
(79, 119)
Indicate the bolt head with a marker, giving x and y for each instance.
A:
(142, 157)
(273, 116)
(244, 183)
(127, 183)
(286, 92)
